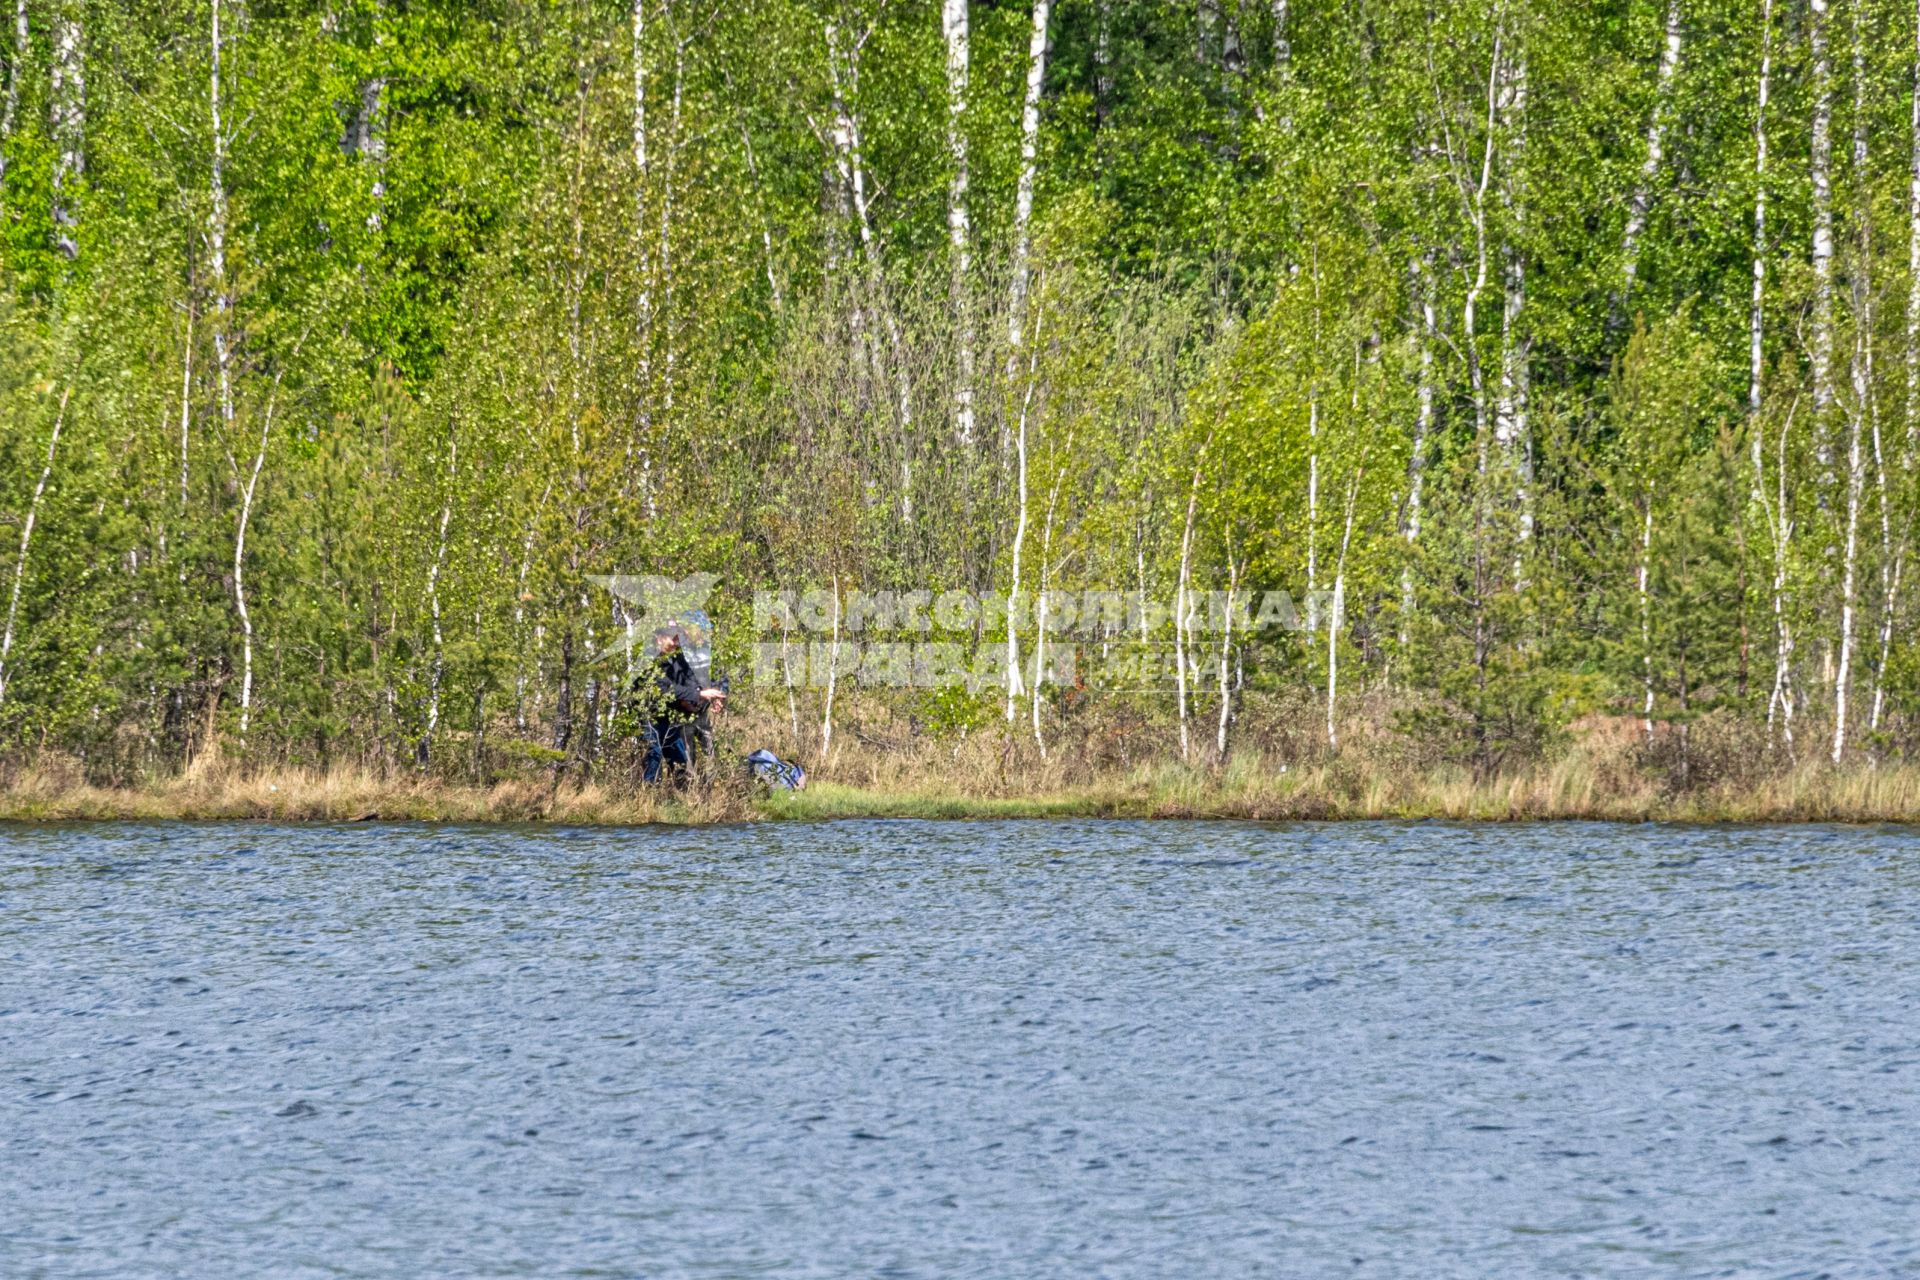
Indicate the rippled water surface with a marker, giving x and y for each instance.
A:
(973, 1049)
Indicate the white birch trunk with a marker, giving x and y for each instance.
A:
(1335, 614)
(1019, 532)
(1422, 431)
(669, 171)
(1779, 522)
(1756, 320)
(1475, 202)
(1039, 653)
(26, 543)
(1892, 561)
(1780, 702)
(1233, 57)
(68, 108)
(1511, 429)
(1023, 194)
(1313, 511)
(223, 345)
(1861, 410)
(373, 147)
(1103, 59)
(247, 492)
(643, 268)
(833, 674)
(1912, 437)
(1181, 595)
(1646, 608)
(1226, 651)
(1282, 44)
(369, 142)
(217, 236)
(1849, 561)
(1820, 333)
(1642, 200)
(186, 404)
(959, 232)
(438, 669)
(1040, 603)
(1890, 605)
(22, 50)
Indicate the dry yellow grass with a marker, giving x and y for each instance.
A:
(52, 791)
(994, 774)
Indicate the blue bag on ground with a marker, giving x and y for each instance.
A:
(769, 768)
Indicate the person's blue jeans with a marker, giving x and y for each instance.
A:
(668, 745)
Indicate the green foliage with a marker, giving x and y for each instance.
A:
(1363, 314)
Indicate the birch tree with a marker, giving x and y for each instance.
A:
(1183, 607)
(1043, 600)
(1642, 199)
(1663, 400)
(1895, 556)
(186, 401)
(366, 138)
(1282, 43)
(1337, 613)
(1913, 271)
(833, 672)
(1103, 60)
(16, 66)
(437, 668)
(1820, 324)
(843, 69)
(1780, 526)
(643, 303)
(68, 106)
(1020, 526)
(1861, 407)
(1773, 507)
(575, 287)
(1206, 32)
(1642, 576)
(1472, 191)
(1313, 496)
(1423, 422)
(1235, 566)
(248, 481)
(1511, 431)
(26, 542)
(1023, 194)
(218, 140)
(1756, 314)
(664, 249)
(954, 27)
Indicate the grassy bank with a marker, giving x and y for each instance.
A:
(1582, 783)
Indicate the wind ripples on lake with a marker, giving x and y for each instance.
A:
(959, 1049)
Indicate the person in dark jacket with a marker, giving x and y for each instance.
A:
(675, 706)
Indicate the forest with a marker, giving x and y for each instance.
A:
(1561, 360)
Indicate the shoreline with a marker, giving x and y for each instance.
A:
(1885, 796)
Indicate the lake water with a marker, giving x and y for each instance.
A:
(903, 1049)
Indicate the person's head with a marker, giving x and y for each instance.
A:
(666, 640)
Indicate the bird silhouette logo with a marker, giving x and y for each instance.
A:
(653, 601)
